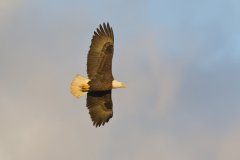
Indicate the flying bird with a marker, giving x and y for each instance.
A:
(100, 82)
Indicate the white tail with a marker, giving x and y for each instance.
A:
(79, 86)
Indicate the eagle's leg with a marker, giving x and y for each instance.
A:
(85, 87)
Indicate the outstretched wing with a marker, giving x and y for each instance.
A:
(99, 104)
(99, 62)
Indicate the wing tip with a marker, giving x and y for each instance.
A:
(104, 29)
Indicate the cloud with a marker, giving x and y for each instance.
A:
(229, 147)
(8, 8)
(38, 122)
(39, 117)
(181, 99)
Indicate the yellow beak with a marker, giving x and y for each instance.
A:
(124, 85)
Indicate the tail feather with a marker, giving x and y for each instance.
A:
(77, 84)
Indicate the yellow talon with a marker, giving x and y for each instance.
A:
(85, 88)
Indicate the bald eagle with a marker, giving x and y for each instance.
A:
(100, 81)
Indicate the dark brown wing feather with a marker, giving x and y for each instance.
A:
(99, 62)
(99, 104)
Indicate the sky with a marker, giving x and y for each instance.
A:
(180, 60)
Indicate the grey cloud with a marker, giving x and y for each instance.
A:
(180, 102)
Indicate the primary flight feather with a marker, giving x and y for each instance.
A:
(100, 81)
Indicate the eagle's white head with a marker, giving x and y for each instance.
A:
(117, 84)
